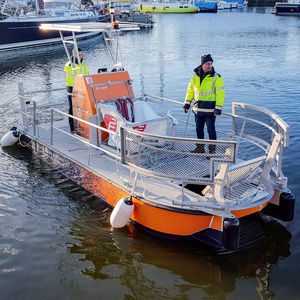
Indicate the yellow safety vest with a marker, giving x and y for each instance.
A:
(70, 75)
(208, 96)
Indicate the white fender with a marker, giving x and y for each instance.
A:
(121, 213)
(9, 139)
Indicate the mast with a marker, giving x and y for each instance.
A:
(37, 7)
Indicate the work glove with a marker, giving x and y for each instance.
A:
(217, 112)
(186, 107)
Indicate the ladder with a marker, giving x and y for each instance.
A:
(112, 44)
(72, 41)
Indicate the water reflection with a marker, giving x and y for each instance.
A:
(151, 267)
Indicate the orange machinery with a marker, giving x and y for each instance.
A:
(89, 90)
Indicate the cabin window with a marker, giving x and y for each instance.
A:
(56, 5)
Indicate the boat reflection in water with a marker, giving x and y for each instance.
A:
(136, 257)
(130, 256)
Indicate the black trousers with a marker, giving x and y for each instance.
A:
(209, 120)
(69, 92)
(210, 124)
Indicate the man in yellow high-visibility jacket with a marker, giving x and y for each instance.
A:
(70, 80)
(207, 89)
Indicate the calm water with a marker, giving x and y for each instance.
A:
(55, 239)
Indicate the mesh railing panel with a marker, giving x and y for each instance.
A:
(241, 173)
(183, 159)
(248, 127)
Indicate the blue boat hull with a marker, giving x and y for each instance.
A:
(289, 9)
(207, 6)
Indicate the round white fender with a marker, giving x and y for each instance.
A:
(10, 138)
(121, 213)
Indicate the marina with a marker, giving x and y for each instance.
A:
(211, 191)
(135, 163)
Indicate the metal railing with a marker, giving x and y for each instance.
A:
(182, 159)
(175, 158)
(29, 116)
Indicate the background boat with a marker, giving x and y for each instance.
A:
(20, 22)
(224, 4)
(167, 7)
(213, 6)
(289, 8)
(207, 6)
(126, 11)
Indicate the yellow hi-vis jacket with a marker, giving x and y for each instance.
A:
(208, 96)
(69, 72)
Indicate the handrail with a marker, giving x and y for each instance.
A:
(43, 91)
(280, 126)
(83, 121)
(157, 170)
(165, 99)
(136, 154)
(274, 116)
(88, 143)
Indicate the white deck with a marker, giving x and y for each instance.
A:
(151, 189)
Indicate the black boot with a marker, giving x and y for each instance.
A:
(71, 123)
(212, 149)
(199, 149)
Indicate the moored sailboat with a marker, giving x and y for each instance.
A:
(20, 25)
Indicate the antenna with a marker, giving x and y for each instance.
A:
(112, 41)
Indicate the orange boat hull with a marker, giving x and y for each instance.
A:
(162, 220)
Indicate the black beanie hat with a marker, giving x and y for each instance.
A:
(79, 50)
(205, 58)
